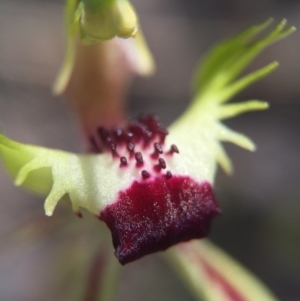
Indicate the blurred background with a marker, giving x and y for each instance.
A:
(261, 211)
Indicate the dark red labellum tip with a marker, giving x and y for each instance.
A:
(153, 215)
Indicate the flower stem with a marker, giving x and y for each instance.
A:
(107, 290)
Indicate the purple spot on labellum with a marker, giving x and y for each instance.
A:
(162, 163)
(140, 131)
(129, 135)
(174, 149)
(151, 122)
(112, 146)
(145, 174)
(123, 161)
(139, 158)
(157, 150)
(143, 131)
(118, 133)
(130, 147)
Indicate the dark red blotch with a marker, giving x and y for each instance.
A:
(154, 215)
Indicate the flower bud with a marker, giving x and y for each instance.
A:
(104, 20)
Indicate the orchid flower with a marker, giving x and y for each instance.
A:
(153, 187)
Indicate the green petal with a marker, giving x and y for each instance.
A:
(212, 275)
(215, 83)
(42, 170)
(16, 156)
(72, 17)
(232, 110)
(144, 59)
(89, 181)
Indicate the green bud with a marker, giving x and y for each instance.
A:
(106, 19)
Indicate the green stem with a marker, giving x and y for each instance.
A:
(111, 271)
